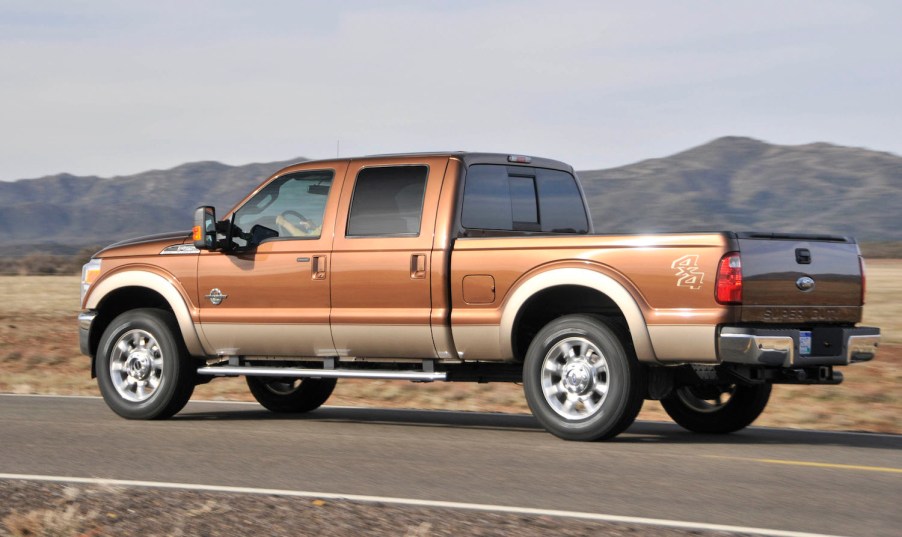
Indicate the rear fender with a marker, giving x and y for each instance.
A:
(586, 278)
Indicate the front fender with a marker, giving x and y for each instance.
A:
(164, 286)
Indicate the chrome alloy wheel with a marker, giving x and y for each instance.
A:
(283, 386)
(136, 365)
(575, 378)
(704, 400)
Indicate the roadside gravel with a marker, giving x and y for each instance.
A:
(32, 508)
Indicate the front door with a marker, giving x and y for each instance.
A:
(381, 260)
(270, 295)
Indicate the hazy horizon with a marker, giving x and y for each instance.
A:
(301, 157)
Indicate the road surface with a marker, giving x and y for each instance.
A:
(806, 481)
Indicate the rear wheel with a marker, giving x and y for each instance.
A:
(292, 396)
(717, 409)
(581, 381)
(143, 368)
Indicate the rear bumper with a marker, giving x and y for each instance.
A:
(85, 319)
(779, 347)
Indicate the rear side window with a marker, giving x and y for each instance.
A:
(514, 198)
(387, 201)
(562, 205)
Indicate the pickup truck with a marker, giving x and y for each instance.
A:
(468, 267)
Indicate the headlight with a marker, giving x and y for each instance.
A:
(89, 273)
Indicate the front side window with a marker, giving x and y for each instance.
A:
(387, 201)
(290, 206)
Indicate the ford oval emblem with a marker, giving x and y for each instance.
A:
(805, 284)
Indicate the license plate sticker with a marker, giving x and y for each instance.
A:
(805, 343)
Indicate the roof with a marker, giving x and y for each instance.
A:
(467, 157)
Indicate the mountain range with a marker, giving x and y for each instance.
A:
(731, 183)
(742, 184)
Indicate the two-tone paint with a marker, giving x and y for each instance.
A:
(440, 295)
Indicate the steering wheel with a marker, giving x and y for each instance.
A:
(283, 232)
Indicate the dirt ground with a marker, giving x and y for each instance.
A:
(32, 509)
(39, 354)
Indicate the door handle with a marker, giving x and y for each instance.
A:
(418, 266)
(320, 266)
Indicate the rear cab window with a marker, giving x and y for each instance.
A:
(506, 200)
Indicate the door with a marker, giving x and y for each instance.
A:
(270, 295)
(381, 260)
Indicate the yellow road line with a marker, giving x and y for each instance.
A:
(882, 469)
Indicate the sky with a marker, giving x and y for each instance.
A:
(114, 88)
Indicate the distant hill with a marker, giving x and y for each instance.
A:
(731, 183)
(737, 183)
(63, 213)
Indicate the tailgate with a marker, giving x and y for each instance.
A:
(800, 279)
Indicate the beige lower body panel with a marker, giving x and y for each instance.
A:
(232, 339)
(384, 341)
(684, 343)
(444, 343)
(479, 342)
(671, 343)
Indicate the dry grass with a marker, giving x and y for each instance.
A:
(39, 354)
(883, 306)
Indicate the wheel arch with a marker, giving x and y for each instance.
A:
(561, 291)
(132, 289)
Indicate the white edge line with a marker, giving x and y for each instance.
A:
(97, 397)
(416, 503)
(50, 396)
(362, 407)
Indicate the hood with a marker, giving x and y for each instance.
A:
(146, 245)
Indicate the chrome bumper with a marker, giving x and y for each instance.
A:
(85, 319)
(780, 347)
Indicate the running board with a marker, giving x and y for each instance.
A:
(293, 372)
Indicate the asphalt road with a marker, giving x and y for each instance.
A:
(831, 483)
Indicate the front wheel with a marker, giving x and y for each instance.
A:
(581, 382)
(292, 396)
(716, 409)
(143, 368)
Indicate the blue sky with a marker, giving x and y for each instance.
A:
(113, 88)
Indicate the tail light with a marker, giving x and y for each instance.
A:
(729, 280)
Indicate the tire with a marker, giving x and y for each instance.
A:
(581, 381)
(143, 368)
(291, 396)
(701, 409)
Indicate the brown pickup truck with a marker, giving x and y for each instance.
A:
(468, 267)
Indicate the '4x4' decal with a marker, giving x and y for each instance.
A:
(688, 273)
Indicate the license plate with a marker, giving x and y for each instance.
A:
(805, 343)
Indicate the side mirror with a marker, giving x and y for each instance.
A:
(204, 231)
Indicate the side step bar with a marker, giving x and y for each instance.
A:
(293, 372)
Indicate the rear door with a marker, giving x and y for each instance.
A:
(381, 259)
